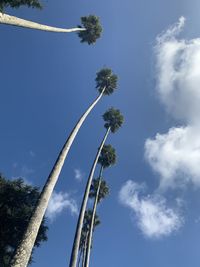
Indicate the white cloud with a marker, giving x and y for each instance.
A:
(78, 175)
(58, 203)
(175, 155)
(153, 217)
(178, 74)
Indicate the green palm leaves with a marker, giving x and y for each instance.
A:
(114, 119)
(107, 157)
(18, 3)
(87, 220)
(92, 28)
(106, 79)
(103, 192)
(86, 226)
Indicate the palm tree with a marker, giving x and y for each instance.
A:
(89, 31)
(84, 234)
(99, 190)
(113, 120)
(24, 249)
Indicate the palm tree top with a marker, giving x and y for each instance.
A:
(103, 192)
(87, 220)
(107, 157)
(86, 226)
(17, 3)
(106, 79)
(92, 27)
(113, 119)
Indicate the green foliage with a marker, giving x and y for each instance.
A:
(114, 119)
(92, 31)
(107, 156)
(103, 192)
(87, 220)
(18, 3)
(106, 79)
(86, 226)
(17, 201)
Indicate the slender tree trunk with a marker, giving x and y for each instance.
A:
(79, 226)
(15, 21)
(91, 230)
(23, 252)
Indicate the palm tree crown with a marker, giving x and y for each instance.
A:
(106, 79)
(107, 157)
(87, 220)
(103, 192)
(86, 226)
(114, 119)
(92, 28)
(18, 3)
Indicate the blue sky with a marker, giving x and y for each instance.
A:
(151, 217)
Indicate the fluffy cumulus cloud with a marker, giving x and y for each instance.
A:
(153, 217)
(178, 74)
(58, 203)
(78, 175)
(175, 155)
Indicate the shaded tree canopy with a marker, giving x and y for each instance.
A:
(92, 31)
(106, 79)
(17, 201)
(114, 119)
(18, 3)
(107, 156)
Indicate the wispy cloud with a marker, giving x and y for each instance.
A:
(78, 174)
(23, 172)
(32, 154)
(152, 215)
(175, 155)
(60, 202)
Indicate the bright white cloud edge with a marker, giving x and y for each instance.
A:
(153, 217)
(175, 155)
(78, 175)
(60, 202)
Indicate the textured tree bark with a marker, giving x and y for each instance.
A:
(23, 252)
(15, 21)
(91, 230)
(74, 254)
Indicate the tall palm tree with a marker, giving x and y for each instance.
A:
(99, 190)
(84, 234)
(24, 249)
(89, 31)
(113, 121)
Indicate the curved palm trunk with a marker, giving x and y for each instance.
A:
(74, 254)
(15, 21)
(23, 252)
(87, 261)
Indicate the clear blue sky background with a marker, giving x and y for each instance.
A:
(48, 80)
